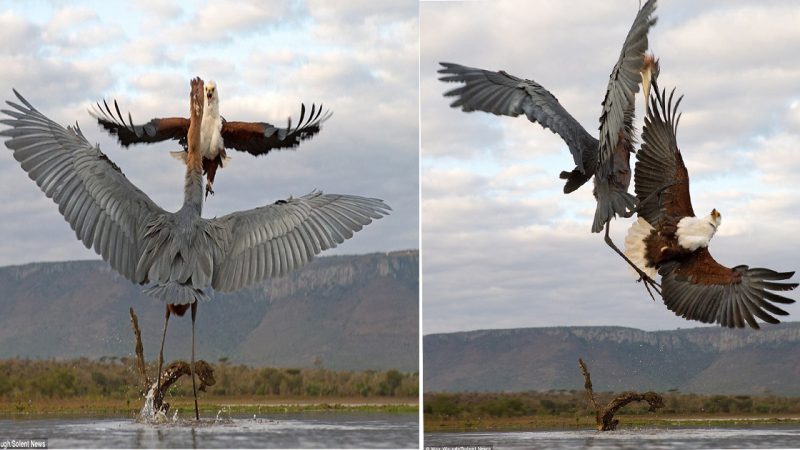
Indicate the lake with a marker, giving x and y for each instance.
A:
(287, 430)
(741, 436)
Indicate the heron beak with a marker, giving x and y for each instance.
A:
(649, 72)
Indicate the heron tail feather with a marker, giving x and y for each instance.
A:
(176, 293)
(611, 201)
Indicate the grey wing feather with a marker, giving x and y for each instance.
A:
(623, 84)
(94, 196)
(730, 305)
(275, 239)
(503, 94)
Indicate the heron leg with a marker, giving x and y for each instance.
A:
(648, 282)
(161, 352)
(191, 367)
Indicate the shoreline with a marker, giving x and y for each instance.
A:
(123, 407)
(539, 423)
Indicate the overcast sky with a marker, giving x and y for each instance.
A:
(503, 247)
(359, 58)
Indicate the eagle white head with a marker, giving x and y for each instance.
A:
(696, 232)
(715, 217)
(212, 95)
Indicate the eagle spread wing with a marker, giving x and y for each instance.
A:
(659, 164)
(102, 206)
(258, 138)
(693, 284)
(156, 130)
(503, 94)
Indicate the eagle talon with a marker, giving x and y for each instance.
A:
(648, 284)
(209, 190)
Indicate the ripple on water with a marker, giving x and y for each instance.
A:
(316, 429)
(752, 436)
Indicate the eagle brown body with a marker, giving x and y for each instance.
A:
(256, 138)
(693, 284)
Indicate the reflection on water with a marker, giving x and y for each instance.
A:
(290, 430)
(755, 436)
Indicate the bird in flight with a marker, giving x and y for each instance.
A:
(216, 134)
(669, 240)
(607, 159)
(179, 255)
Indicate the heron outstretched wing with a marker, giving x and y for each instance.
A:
(623, 84)
(275, 239)
(258, 138)
(156, 130)
(100, 204)
(503, 94)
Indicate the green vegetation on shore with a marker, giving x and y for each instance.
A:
(563, 409)
(113, 385)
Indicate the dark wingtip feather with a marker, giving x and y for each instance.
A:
(22, 99)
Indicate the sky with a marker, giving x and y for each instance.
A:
(358, 58)
(503, 247)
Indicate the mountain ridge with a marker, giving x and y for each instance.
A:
(80, 308)
(701, 360)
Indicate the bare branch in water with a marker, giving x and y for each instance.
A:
(604, 415)
(139, 350)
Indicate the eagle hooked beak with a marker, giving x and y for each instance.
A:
(209, 94)
(649, 74)
(715, 214)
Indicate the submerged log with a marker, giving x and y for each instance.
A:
(604, 415)
(203, 370)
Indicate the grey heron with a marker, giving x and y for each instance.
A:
(180, 255)
(607, 159)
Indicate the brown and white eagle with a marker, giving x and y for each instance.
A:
(217, 134)
(669, 239)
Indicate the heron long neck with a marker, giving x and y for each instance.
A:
(193, 187)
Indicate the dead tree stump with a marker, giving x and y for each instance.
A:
(203, 370)
(604, 415)
(139, 349)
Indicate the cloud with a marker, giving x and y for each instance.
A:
(213, 22)
(266, 62)
(161, 10)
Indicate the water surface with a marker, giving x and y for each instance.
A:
(746, 436)
(288, 430)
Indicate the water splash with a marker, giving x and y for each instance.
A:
(148, 414)
(226, 419)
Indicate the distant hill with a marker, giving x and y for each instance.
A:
(347, 312)
(701, 360)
